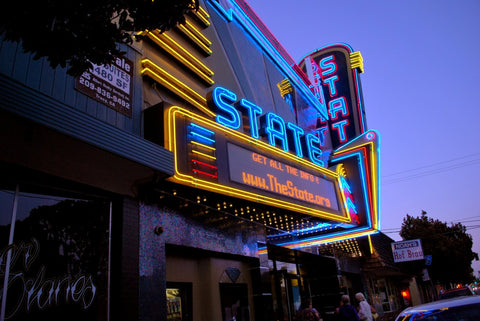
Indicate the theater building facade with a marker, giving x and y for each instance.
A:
(204, 175)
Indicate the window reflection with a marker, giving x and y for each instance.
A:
(6, 208)
(57, 264)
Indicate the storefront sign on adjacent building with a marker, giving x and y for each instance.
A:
(109, 84)
(410, 250)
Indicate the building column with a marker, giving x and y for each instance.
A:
(152, 266)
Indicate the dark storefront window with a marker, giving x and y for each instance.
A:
(54, 258)
(234, 301)
(383, 295)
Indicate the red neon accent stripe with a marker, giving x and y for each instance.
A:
(204, 164)
(196, 171)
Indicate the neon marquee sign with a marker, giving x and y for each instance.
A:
(341, 124)
(245, 152)
(336, 85)
(217, 158)
(259, 157)
(287, 135)
(265, 173)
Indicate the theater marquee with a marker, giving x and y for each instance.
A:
(217, 158)
(258, 156)
(306, 150)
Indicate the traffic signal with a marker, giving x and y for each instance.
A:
(406, 296)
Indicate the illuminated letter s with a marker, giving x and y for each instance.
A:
(328, 66)
(221, 101)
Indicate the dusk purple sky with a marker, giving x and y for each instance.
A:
(420, 89)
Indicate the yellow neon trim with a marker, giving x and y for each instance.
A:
(169, 40)
(222, 188)
(341, 172)
(170, 126)
(285, 87)
(258, 143)
(356, 61)
(197, 33)
(202, 15)
(147, 63)
(177, 87)
(179, 53)
(370, 243)
(329, 240)
(203, 12)
(195, 39)
(204, 155)
(373, 178)
(202, 145)
(262, 251)
(373, 207)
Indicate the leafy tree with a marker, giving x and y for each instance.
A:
(82, 32)
(450, 247)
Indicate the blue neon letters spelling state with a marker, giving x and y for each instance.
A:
(289, 137)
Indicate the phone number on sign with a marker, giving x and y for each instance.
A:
(104, 92)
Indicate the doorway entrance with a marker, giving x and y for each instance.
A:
(297, 276)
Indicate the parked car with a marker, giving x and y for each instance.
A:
(465, 308)
(462, 291)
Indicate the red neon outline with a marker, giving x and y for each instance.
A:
(336, 114)
(196, 171)
(354, 74)
(204, 164)
(366, 161)
(334, 72)
(337, 130)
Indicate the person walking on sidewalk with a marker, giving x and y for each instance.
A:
(346, 311)
(307, 312)
(363, 308)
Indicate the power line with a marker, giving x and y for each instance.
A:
(431, 165)
(392, 231)
(430, 169)
(459, 220)
(465, 221)
(468, 217)
(432, 172)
